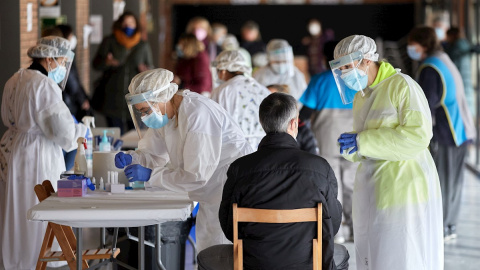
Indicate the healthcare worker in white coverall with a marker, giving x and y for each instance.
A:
(397, 203)
(39, 127)
(281, 69)
(188, 147)
(240, 94)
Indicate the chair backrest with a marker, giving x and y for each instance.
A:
(44, 190)
(277, 216)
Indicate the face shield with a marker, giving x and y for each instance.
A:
(281, 60)
(145, 110)
(67, 63)
(348, 77)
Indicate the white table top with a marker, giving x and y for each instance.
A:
(102, 209)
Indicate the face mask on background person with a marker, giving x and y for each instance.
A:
(57, 74)
(440, 33)
(200, 33)
(73, 42)
(413, 54)
(314, 29)
(279, 68)
(129, 31)
(355, 78)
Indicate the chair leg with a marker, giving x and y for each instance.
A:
(64, 245)
(46, 245)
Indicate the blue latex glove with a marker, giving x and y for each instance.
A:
(122, 160)
(137, 172)
(90, 185)
(348, 140)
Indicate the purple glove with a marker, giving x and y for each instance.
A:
(122, 160)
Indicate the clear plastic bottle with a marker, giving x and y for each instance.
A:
(89, 121)
(80, 163)
(105, 144)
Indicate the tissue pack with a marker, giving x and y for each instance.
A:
(71, 188)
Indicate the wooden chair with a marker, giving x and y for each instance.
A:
(277, 216)
(66, 239)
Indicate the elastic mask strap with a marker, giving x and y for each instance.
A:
(161, 89)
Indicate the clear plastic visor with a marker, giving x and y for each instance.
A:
(342, 66)
(141, 106)
(67, 62)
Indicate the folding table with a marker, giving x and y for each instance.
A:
(134, 208)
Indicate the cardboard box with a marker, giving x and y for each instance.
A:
(71, 188)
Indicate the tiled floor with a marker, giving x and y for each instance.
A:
(462, 253)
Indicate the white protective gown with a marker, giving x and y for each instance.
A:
(194, 157)
(241, 97)
(296, 81)
(397, 203)
(39, 126)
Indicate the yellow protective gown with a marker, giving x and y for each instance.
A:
(397, 204)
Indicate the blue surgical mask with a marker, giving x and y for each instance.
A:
(129, 31)
(57, 74)
(413, 54)
(440, 33)
(155, 120)
(355, 79)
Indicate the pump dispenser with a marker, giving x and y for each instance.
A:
(89, 121)
(80, 164)
(105, 144)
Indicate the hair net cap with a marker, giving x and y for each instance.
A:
(232, 61)
(230, 43)
(156, 80)
(357, 43)
(42, 51)
(277, 44)
(62, 44)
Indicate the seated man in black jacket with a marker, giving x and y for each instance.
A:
(279, 176)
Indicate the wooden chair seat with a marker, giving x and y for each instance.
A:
(66, 239)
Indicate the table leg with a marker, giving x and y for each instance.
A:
(79, 248)
(158, 246)
(102, 237)
(141, 248)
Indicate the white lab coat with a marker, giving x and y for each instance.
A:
(39, 126)
(194, 157)
(397, 203)
(241, 97)
(297, 83)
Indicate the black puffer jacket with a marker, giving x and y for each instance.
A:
(281, 176)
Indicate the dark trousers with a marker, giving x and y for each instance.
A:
(220, 257)
(450, 163)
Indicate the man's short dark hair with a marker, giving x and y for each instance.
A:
(276, 111)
